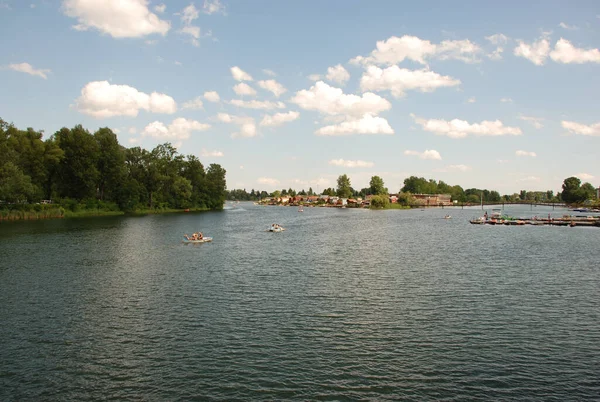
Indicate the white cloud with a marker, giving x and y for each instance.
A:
(195, 103)
(453, 168)
(394, 50)
(160, 8)
(268, 72)
(471, 100)
(188, 15)
(279, 118)
(332, 101)
(247, 125)
(497, 39)
(212, 96)
(254, 104)
(118, 18)
(535, 121)
(351, 164)
(525, 153)
(132, 130)
(101, 99)
(240, 75)
(506, 100)
(565, 52)
(213, 6)
(178, 63)
(268, 181)
(272, 86)
(537, 52)
(179, 129)
(368, 124)
(115, 130)
(133, 140)
(582, 129)
(584, 176)
(28, 69)
(427, 154)
(568, 27)
(315, 77)
(244, 89)
(460, 128)
(211, 154)
(399, 80)
(338, 74)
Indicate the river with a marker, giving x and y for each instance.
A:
(345, 304)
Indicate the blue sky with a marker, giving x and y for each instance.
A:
(292, 94)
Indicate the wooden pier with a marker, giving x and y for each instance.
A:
(572, 221)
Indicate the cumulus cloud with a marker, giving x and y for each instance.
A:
(101, 99)
(29, 69)
(332, 101)
(160, 8)
(315, 77)
(351, 164)
(211, 154)
(529, 179)
(254, 104)
(213, 7)
(536, 52)
(338, 74)
(367, 124)
(427, 154)
(246, 125)
(269, 72)
(525, 153)
(179, 129)
(188, 15)
(471, 100)
(195, 103)
(460, 128)
(279, 118)
(212, 96)
(244, 89)
(565, 52)
(506, 100)
(592, 130)
(499, 40)
(535, 121)
(240, 75)
(272, 86)
(394, 50)
(118, 18)
(399, 80)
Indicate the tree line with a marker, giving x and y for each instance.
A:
(574, 192)
(74, 167)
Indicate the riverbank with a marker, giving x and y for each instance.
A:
(58, 212)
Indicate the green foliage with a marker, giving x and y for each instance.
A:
(95, 174)
(380, 201)
(575, 193)
(377, 187)
(344, 189)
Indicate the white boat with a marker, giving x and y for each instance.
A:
(275, 229)
(448, 217)
(202, 240)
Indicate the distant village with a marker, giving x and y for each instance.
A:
(323, 200)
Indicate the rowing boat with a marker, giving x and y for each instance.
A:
(203, 240)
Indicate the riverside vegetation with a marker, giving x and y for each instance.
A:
(77, 173)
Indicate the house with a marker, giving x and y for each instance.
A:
(433, 200)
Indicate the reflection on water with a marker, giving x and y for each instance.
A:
(345, 304)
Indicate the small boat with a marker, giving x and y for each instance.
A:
(275, 228)
(202, 240)
(448, 217)
(300, 209)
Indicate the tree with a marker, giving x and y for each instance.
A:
(377, 187)
(379, 201)
(570, 189)
(15, 186)
(344, 189)
(111, 164)
(77, 171)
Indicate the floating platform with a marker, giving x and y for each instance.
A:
(590, 221)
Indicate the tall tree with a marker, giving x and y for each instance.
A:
(344, 189)
(377, 187)
(570, 189)
(111, 164)
(77, 170)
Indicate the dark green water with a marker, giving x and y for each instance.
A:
(344, 305)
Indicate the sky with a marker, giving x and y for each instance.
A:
(293, 94)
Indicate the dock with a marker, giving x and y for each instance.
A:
(566, 220)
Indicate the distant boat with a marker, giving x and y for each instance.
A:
(300, 209)
(203, 240)
(448, 217)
